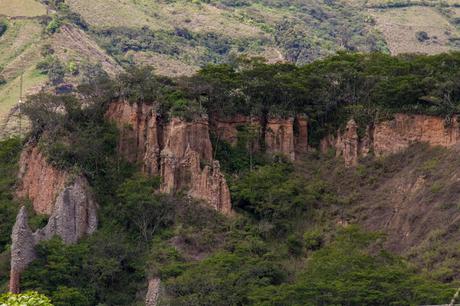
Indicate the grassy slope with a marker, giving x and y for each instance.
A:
(23, 8)
(19, 53)
(400, 20)
(258, 22)
(400, 26)
(198, 18)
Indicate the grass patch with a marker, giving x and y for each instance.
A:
(25, 8)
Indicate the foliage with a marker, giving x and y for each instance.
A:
(347, 272)
(53, 68)
(9, 155)
(141, 209)
(102, 268)
(273, 194)
(367, 86)
(3, 27)
(29, 298)
(242, 157)
(224, 279)
(54, 25)
(141, 85)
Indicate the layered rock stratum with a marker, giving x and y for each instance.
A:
(286, 136)
(392, 136)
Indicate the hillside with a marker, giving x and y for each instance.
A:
(270, 153)
(250, 184)
(179, 37)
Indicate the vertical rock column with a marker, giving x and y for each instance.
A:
(153, 292)
(22, 249)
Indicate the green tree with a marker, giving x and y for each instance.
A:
(141, 209)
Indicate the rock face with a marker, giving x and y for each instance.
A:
(140, 134)
(39, 181)
(286, 136)
(279, 137)
(153, 292)
(73, 212)
(22, 249)
(74, 215)
(179, 151)
(395, 135)
(392, 136)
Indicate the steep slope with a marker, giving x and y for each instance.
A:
(411, 196)
(19, 53)
(22, 49)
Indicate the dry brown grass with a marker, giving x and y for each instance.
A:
(72, 44)
(400, 25)
(21, 8)
(165, 65)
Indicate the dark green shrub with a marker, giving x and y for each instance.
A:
(3, 27)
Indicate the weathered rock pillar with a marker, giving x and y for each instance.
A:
(153, 292)
(22, 249)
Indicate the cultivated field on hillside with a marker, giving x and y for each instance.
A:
(401, 28)
(23, 8)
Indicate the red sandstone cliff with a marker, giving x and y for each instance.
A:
(392, 136)
(68, 200)
(176, 150)
(39, 181)
(286, 136)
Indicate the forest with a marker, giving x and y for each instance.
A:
(281, 248)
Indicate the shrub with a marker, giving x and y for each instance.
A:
(313, 240)
(422, 36)
(3, 27)
(9, 155)
(30, 298)
(54, 25)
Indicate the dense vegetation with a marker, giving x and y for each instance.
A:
(283, 247)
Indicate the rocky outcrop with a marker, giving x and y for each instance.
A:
(74, 215)
(279, 137)
(73, 211)
(22, 249)
(39, 181)
(153, 292)
(178, 150)
(227, 128)
(286, 136)
(397, 134)
(392, 136)
(140, 134)
(205, 183)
